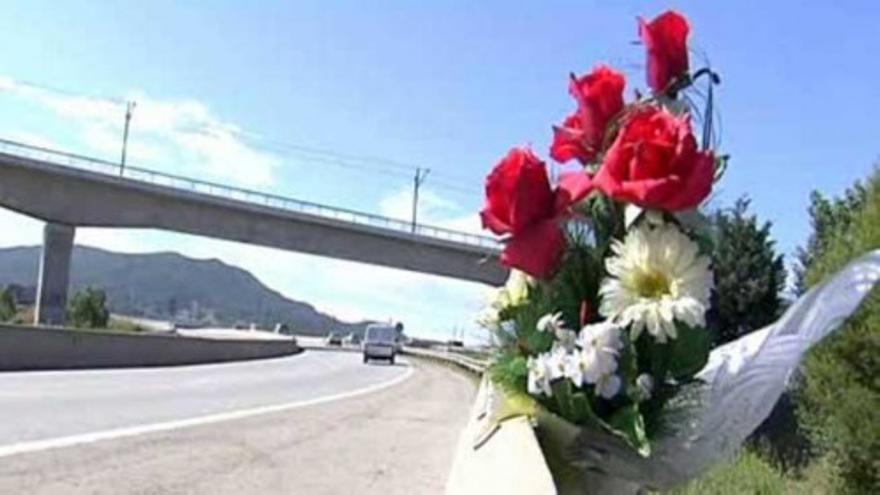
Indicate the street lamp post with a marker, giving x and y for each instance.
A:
(421, 174)
(129, 107)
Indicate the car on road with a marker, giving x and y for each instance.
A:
(352, 339)
(334, 339)
(380, 342)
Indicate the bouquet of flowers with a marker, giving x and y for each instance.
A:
(604, 327)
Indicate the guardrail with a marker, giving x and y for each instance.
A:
(139, 174)
(476, 366)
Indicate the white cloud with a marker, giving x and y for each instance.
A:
(32, 139)
(180, 134)
(7, 84)
(466, 223)
(19, 230)
(108, 142)
(224, 155)
(186, 136)
(433, 208)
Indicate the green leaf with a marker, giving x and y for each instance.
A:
(562, 395)
(519, 367)
(689, 352)
(627, 422)
(510, 371)
(653, 356)
(628, 366)
(583, 411)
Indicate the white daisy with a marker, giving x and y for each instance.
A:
(539, 375)
(565, 339)
(607, 386)
(552, 322)
(645, 386)
(656, 276)
(599, 345)
(557, 362)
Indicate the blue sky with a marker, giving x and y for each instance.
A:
(225, 88)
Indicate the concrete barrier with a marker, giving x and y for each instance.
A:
(39, 348)
(506, 459)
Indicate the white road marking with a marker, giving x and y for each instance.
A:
(131, 431)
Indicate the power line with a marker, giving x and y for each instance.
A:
(374, 164)
(67, 92)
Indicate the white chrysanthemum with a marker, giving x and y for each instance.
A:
(597, 357)
(656, 277)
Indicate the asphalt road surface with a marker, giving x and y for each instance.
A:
(317, 423)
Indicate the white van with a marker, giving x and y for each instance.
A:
(380, 342)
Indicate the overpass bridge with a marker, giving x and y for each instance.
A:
(67, 191)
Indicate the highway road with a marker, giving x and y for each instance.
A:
(317, 423)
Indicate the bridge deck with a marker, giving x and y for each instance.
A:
(81, 191)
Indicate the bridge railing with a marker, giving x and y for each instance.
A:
(62, 158)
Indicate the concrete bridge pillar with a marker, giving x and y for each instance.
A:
(54, 274)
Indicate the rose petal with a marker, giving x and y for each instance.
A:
(665, 39)
(568, 142)
(537, 250)
(698, 185)
(573, 187)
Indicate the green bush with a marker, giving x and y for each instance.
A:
(7, 305)
(839, 402)
(88, 309)
(751, 474)
(747, 474)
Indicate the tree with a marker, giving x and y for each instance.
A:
(839, 402)
(88, 309)
(749, 275)
(827, 216)
(7, 305)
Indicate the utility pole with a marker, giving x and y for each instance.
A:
(129, 107)
(421, 174)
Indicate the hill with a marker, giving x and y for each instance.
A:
(170, 286)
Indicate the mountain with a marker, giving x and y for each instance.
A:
(170, 286)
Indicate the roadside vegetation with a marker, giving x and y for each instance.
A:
(7, 305)
(88, 309)
(839, 402)
(826, 439)
(749, 274)
(751, 473)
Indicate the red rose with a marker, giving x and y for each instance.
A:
(600, 98)
(666, 41)
(520, 202)
(654, 163)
